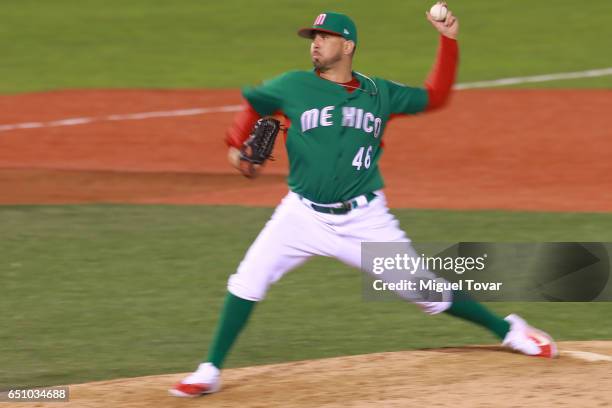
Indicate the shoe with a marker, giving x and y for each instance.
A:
(205, 380)
(528, 340)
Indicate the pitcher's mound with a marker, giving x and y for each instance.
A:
(477, 376)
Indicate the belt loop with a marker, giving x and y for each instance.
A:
(361, 200)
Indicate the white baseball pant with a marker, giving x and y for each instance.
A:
(295, 232)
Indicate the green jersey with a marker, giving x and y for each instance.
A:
(334, 140)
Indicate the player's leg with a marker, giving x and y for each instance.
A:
(289, 238)
(375, 223)
(281, 246)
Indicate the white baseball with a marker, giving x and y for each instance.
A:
(438, 12)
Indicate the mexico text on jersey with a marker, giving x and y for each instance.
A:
(334, 141)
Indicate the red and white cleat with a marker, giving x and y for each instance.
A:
(528, 340)
(205, 380)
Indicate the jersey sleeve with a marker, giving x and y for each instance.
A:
(241, 127)
(442, 76)
(405, 99)
(267, 98)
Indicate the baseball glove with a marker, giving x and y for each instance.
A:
(258, 147)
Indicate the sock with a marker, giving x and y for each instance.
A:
(465, 307)
(234, 317)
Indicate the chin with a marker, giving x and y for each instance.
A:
(318, 65)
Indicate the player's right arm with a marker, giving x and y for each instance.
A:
(239, 131)
(263, 100)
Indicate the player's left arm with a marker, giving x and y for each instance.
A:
(440, 81)
(405, 100)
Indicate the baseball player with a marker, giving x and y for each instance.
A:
(337, 117)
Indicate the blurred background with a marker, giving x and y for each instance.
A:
(202, 44)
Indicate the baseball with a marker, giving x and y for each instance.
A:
(438, 12)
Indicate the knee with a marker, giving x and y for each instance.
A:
(433, 308)
(248, 289)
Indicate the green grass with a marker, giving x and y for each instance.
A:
(105, 291)
(200, 44)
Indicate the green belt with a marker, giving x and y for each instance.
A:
(346, 206)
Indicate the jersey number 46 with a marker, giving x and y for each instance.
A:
(359, 160)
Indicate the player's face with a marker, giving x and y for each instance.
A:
(326, 50)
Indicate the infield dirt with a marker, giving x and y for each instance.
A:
(510, 149)
(478, 376)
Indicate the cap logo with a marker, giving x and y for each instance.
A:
(346, 32)
(320, 19)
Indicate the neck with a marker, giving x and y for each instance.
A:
(341, 73)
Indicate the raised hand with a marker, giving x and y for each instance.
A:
(449, 27)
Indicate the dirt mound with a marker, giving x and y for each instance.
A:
(478, 376)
